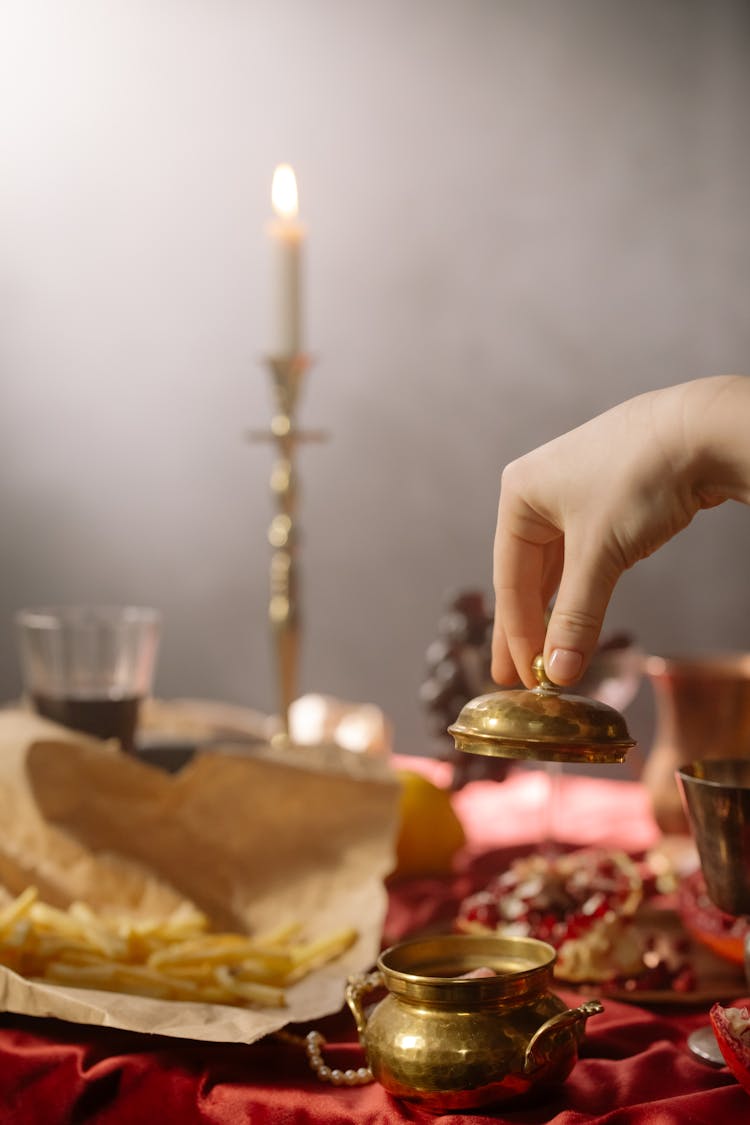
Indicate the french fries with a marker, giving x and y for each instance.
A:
(177, 958)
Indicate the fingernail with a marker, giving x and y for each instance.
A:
(565, 664)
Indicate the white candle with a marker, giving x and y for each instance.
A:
(287, 242)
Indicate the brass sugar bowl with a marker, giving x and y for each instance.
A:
(450, 1041)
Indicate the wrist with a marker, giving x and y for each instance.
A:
(716, 425)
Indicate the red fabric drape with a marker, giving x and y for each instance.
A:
(634, 1069)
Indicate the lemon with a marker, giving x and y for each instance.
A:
(430, 832)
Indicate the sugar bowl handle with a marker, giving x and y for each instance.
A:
(541, 1049)
(357, 988)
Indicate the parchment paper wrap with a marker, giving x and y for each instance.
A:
(253, 837)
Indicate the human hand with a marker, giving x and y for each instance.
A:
(576, 513)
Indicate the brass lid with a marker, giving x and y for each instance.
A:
(545, 724)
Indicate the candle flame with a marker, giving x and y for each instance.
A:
(284, 192)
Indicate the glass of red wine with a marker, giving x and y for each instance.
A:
(88, 667)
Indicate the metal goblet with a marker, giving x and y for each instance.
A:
(716, 797)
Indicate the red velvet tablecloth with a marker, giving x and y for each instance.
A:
(634, 1066)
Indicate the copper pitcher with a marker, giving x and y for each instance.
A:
(702, 711)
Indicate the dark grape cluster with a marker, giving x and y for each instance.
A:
(458, 669)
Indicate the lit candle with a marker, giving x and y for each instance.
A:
(287, 241)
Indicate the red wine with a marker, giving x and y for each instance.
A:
(101, 716)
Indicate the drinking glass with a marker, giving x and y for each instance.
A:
(88, 667)
(613, 677)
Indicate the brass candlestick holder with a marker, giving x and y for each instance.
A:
(287, 373)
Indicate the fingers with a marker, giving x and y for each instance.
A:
(578, 615)
(512, 653)
(526, 574)
(526, 577)
(537, 546)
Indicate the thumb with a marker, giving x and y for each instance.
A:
(576, 619)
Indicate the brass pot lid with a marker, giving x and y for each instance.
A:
(546, 724)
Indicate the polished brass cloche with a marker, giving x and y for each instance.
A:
(546, 724)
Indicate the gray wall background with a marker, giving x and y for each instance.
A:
(519, 213)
